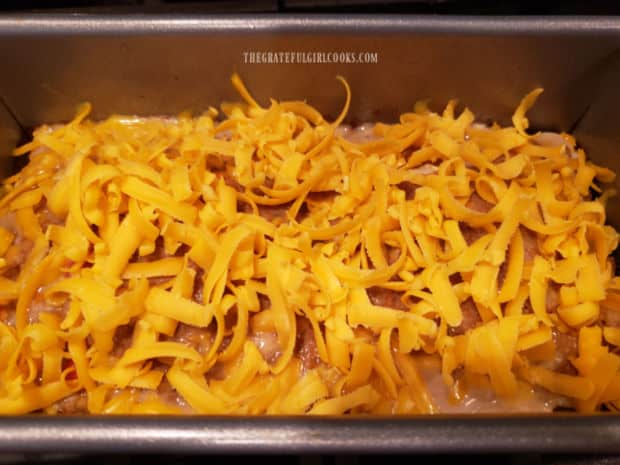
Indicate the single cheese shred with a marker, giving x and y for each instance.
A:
(264, 260)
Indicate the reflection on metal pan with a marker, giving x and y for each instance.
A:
(162, 65)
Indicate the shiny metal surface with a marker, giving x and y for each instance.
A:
(154, 65)
(166, 64)
(110, 24)
(600, 434)
(10, 135)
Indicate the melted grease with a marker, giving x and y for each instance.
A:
(477, 396)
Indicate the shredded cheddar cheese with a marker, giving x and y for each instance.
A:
(231, 265)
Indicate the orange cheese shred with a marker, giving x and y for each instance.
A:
(267, 260)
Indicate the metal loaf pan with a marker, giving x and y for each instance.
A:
(155, 65)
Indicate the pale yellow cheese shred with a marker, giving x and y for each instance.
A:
(227, 265)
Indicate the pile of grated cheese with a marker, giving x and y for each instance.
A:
(125, 188)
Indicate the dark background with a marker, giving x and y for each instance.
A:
(58, 459)
(485, 7)
(435, 7)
